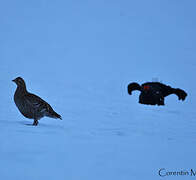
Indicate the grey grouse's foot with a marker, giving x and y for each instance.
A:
(35, 123)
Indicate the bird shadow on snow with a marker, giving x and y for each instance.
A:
(42, 125)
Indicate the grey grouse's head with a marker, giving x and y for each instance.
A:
(19, 81)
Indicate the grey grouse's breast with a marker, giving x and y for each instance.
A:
(23, 107)
(31, 106)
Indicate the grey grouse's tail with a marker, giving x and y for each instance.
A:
(51, 113)
(55, 115)
(58, 116)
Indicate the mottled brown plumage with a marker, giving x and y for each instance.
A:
(30, 105)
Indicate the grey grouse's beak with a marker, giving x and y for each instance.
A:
(14, 80)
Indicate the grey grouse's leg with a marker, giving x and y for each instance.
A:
(35, 123)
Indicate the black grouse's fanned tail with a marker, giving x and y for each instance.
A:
(132, 87)
(180, 93)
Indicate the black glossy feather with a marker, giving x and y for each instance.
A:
(153, 93)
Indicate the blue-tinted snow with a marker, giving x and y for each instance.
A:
(79, 56)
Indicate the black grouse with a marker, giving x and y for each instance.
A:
(30, 105)
(153, 93)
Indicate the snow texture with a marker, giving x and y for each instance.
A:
(80, 56)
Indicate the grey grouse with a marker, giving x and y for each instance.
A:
(153, 93)
(30, 105)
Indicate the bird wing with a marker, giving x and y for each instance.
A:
(36, 102)
(41, 106)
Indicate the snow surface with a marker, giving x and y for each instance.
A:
(80, 56)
